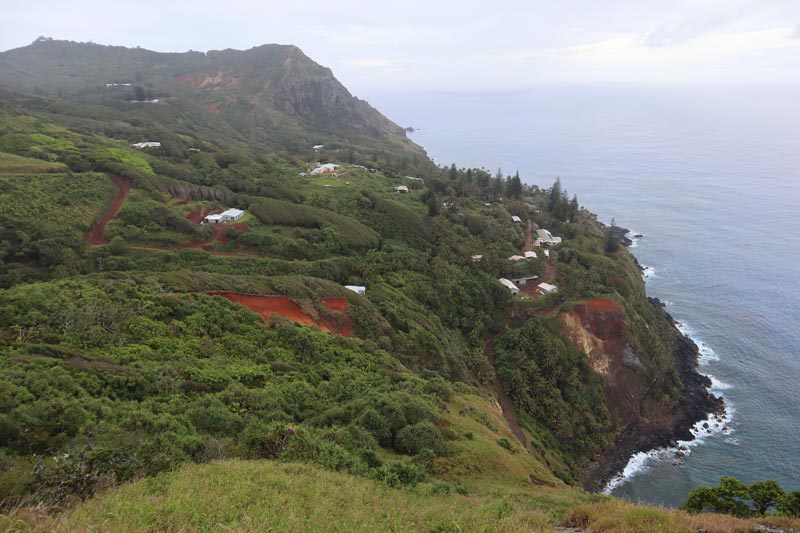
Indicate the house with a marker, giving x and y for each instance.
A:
(510, 286)
(537, 243)
(547, 254)
(546, 238)
(414, 178)
(476, 258)
(328, 168)
(358, 289)
(147, 144)
(402, 189)
(524, 280)
(226, 216)
(317, 147)
(515, 219)
(517, 259)
(546, 288)
(530, 255)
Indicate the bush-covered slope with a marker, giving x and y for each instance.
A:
(124, 353)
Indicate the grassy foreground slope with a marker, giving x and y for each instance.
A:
(271, 496)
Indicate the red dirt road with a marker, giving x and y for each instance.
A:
(267, 306)
(95, 233)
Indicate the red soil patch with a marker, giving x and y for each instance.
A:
(189, 80)
(602, 318)
(219, 231)
(335, 304)
(602, 304)
(95, 233)
(212, 107)
(197, 214)
(267, 306)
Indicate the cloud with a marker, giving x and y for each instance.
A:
(796, 33)
(371, 63)
(631, 50)
(376, 35)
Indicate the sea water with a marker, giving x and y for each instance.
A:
(710, 176)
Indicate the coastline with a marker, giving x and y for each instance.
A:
(665, 427)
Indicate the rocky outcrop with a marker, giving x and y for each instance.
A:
(597, 328)
(665, 424)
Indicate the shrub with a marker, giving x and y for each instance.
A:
(412, 439)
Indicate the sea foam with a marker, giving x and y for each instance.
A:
(714, 425)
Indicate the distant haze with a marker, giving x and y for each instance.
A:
(455, 45)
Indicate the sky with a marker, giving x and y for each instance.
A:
(465, 45)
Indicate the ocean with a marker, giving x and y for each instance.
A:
(710, 176)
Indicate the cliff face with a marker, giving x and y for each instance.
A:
(598, 329)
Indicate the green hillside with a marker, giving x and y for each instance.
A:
(161, 373)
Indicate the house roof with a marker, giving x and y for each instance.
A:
(516, 258)
(547, 287)
(509, 284)
(530, 254)
(232, 212)
(515, 218)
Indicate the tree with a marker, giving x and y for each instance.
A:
(555, 196)
(573, 208)
(611, 242)
(789, 504)
(765, 494)
(699, 499)
(138, 93)
(453, 172)
(433, 205)
(514, 187)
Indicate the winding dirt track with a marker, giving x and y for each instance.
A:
(95, 233)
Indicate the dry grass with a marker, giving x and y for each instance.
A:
(624, 517)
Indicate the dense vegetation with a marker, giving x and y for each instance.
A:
(119, 362)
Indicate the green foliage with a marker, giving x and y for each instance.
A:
(114, 379)
(733, 497)
(342, 234)
(789, 504)
(551, 382)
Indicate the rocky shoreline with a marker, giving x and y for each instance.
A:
(665, 425)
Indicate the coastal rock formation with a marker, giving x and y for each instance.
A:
(661, 426)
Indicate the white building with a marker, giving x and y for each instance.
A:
(226, 216)
(515, 219)
(524, 280)
(402, 189)
(476, 258)
(530, 255)
(517, 259)
(545, 237)
(510, 286)
(358, 289)
(317, 147)
(546, 288)
(328, 168)
(147, 144)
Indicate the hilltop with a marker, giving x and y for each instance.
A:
(271, 96)
(345, 337)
